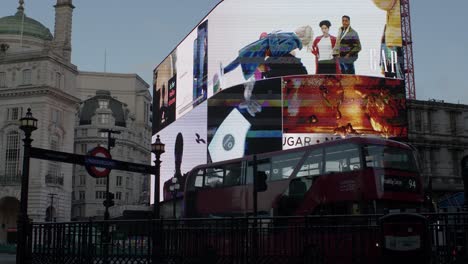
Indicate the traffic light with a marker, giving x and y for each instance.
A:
(109, 201)
(260, 183)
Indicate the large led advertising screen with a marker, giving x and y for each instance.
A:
(329, 107)
(249, 40)
(283, 113)
(256, 76)
(186, 146)
(245, 119)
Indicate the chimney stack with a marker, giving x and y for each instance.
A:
(63, 28)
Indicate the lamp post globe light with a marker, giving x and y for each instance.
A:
(174, 188)
(28, 124)
(157, 148)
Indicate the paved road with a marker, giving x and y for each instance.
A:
(7, 258)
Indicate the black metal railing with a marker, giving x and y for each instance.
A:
(312, 239)
(10, 179)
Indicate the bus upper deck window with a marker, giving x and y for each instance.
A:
(233, 174)
(342, 158)
(195, 180)
(378, 156)
(199, 181)
(284, 165)
(262, 165)
(355, 163)
(199, 178)
(214, 177)
(312, 165)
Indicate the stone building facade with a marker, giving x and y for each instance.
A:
(104, 110)
(36, 72)
(439, 131)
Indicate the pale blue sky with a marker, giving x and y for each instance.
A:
(139, 34)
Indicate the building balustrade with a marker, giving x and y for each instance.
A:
(10, 179)
(51, 179)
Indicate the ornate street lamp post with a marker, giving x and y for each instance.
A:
(28, 124)
(157, 148)
(174, 188)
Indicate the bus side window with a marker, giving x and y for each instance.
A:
(196, 181)
(284, 165)
(249, 178)
(355, 163)
(340, 158)
(214, 177)
(233, 174)
(199, 180)
(312, 165)
(262, 165)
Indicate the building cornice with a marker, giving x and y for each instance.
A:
(438, 136)
(36, 91)
(435, 105)
(438, 144)
(118, 75)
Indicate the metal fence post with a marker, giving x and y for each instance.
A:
(255, 240)
(232, 239)
(149, 244)
(156, 239)
(89, 243)
(29, 241)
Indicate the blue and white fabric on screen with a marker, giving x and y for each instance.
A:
(252, 55)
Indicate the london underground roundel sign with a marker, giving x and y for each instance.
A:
(94, 171)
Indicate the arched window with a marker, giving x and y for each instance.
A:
(26, 77)
(12, 157)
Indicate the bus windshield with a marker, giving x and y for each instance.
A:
(378, 156)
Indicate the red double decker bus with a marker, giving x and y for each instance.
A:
(357, 175)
